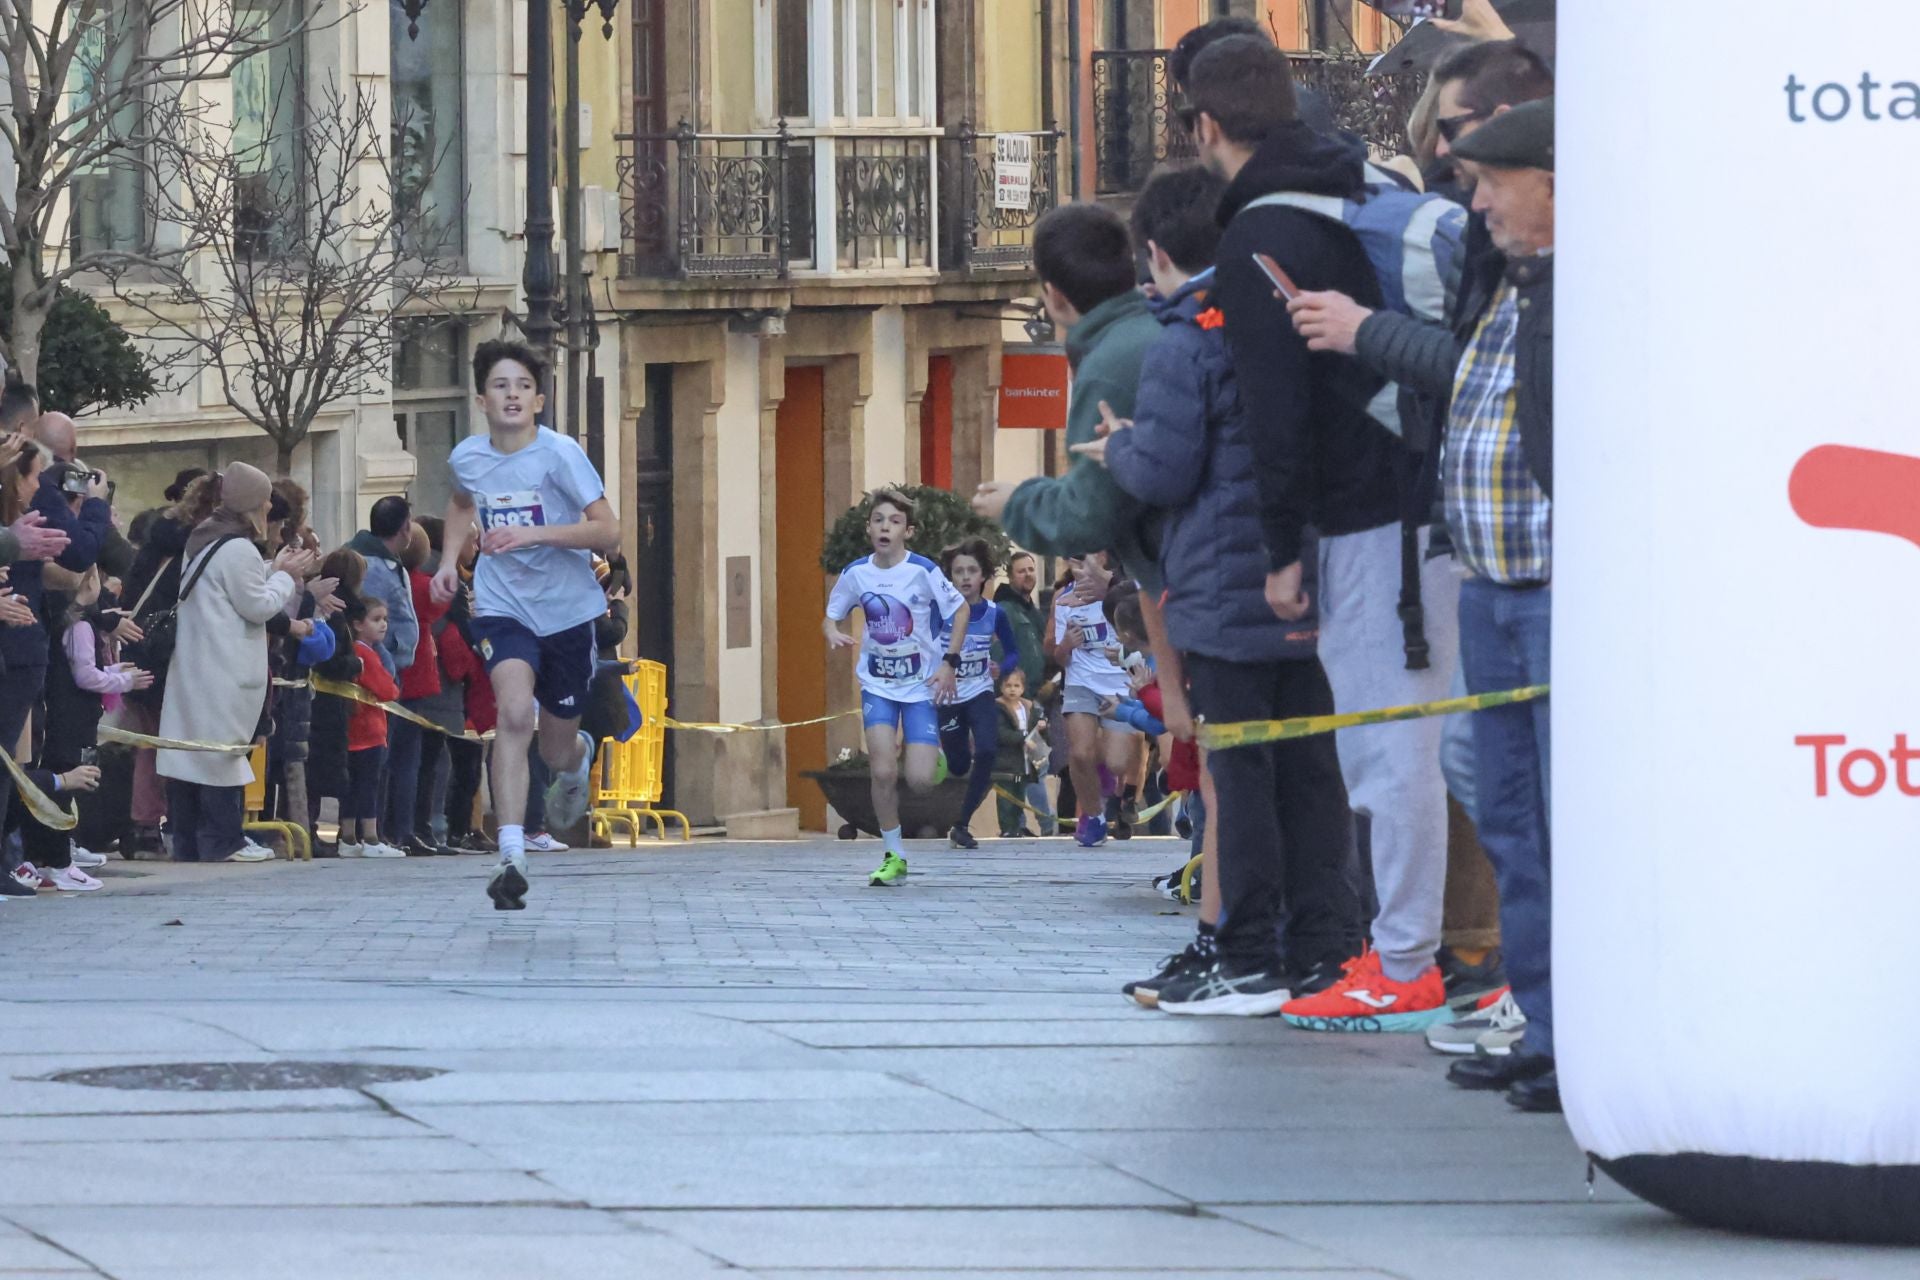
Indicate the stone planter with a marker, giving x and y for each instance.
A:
(922, 816)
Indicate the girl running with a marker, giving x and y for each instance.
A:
(1100, 750)
(901, 597)
(969, 728)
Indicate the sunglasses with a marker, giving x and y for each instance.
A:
(1451, 127)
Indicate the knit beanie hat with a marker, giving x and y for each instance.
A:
(244, 489)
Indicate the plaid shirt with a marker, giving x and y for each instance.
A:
(1501, 521)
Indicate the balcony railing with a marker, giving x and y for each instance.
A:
(978, 232)
(743, 206)
(1135, 105)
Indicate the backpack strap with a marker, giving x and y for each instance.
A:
(1413, 615)
(206, 558)
(152, 582)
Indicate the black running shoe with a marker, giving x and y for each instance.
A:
(508, 889)
(1223, 988)
(1469, 984)
(1117, 825)
(962, 838)
(11, 888)
(1198, 955)
(1314, 979)
(473, 842)
(1130, 808)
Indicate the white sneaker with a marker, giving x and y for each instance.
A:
(569, 793)
(352, 850)
(87, 857)
(69, 880)
(544, 843)
(251, 852)
(1495, 1029)
(27, 874)
(379, 850)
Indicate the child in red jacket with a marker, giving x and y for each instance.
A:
(367, 739)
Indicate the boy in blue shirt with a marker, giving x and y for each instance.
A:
(541, 511)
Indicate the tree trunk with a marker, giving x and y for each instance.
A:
(283, 460)
(29, 318)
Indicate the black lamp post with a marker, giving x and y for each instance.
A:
(538, 277)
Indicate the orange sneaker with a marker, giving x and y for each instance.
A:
(1368, 1000)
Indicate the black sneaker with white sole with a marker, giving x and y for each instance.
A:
(1311, 980)
(508, 889)
(1226, 989)
(961, 838)
(1469, 984)
(1199, 954)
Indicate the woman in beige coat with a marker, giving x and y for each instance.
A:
(217, 685)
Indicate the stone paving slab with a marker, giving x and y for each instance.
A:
(738, 1058)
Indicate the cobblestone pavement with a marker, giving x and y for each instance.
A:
(736, 1058)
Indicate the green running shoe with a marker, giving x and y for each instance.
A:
(892, 869)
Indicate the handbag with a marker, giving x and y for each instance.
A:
(154, 650)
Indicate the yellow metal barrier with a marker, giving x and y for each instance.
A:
(254, 800)
(629, 776)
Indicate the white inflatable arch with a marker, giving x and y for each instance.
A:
(1737, 608)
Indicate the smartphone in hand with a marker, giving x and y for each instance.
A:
(1282, 282)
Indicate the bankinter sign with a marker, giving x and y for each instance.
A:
(1033, 389)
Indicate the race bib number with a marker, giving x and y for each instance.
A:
(905, 666)
(520, 510)
(973, 666)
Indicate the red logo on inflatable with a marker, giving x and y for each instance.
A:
(1839, 487)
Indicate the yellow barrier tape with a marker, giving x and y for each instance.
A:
(354, 693)
(1146, 815)
(41, 805)
(698, 726)
(1253, 733)
(128, 738)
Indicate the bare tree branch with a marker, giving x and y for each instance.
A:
(291, 282)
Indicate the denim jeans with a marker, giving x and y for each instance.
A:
(205, 821)
(402, 780)
(1506, 643)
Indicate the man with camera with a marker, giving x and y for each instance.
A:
(87, 523)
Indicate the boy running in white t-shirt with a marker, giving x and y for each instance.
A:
(902, 598)
(542, 511)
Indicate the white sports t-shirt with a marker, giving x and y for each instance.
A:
(548, 482)
(903, 607)
(1096, 664)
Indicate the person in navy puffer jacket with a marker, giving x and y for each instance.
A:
(1290, 909)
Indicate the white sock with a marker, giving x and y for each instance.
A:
(891, 839)
(513, 845)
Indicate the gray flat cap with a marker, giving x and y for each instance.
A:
(1518, 139)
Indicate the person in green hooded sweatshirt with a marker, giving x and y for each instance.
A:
(1087, 272)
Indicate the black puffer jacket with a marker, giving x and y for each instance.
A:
(1320, 458)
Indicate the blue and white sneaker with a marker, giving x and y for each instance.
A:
(569, 793)
(1091, 833)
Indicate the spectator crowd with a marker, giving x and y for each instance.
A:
(1312, 428)
(1312, 438)
(216, 621)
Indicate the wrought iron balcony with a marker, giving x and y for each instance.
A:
(1135, 105)
(746, 206)
(979, 232)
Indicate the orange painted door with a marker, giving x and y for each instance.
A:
(936, 424)
(800, 515)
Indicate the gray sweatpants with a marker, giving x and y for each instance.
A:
(1393, 770)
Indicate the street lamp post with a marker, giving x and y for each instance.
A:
(538, 279)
